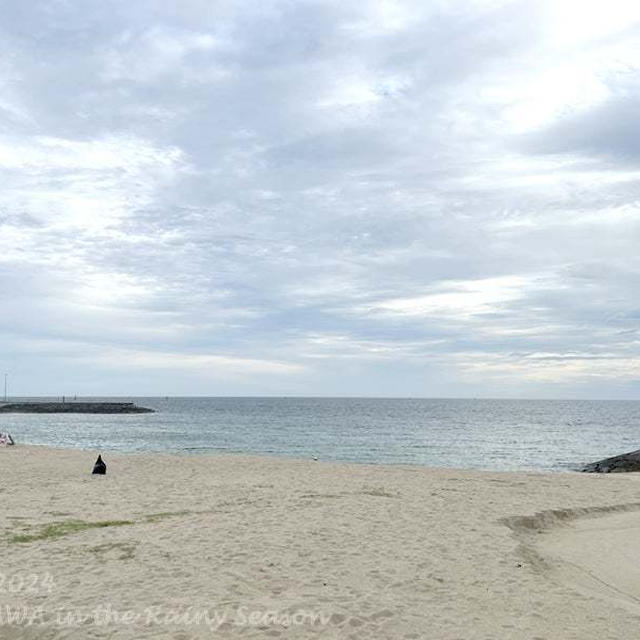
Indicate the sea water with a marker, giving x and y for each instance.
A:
(481, 434)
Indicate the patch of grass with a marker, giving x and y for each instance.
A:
(154, 517)
(68, 527)
(379, 492)
(59, 529)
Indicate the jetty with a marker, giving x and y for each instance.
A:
(72, 407)
(617, 464)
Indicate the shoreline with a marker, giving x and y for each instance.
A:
(284, 457)
(384, 551)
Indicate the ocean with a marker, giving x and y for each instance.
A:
(544, 435)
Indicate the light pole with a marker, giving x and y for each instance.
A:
(6, 375)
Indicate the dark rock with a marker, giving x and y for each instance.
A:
(617, 464)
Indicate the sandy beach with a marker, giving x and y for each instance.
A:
(233, 546)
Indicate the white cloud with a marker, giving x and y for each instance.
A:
(460, 299)
(158, 52)
(206, 365)
(576, 22)
(84, 184)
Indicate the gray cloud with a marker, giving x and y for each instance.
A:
(318, 198)
(610, 130)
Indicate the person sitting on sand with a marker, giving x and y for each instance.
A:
(100, 466)
(6, 439)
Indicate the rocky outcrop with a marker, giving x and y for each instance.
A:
(617, 464)
(73, 407)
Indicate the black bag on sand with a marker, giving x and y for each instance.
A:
(100, 467)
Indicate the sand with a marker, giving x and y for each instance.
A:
(247, 547)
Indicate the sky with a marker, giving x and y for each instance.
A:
(421, 198)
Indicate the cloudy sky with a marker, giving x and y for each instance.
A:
(293, 197)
